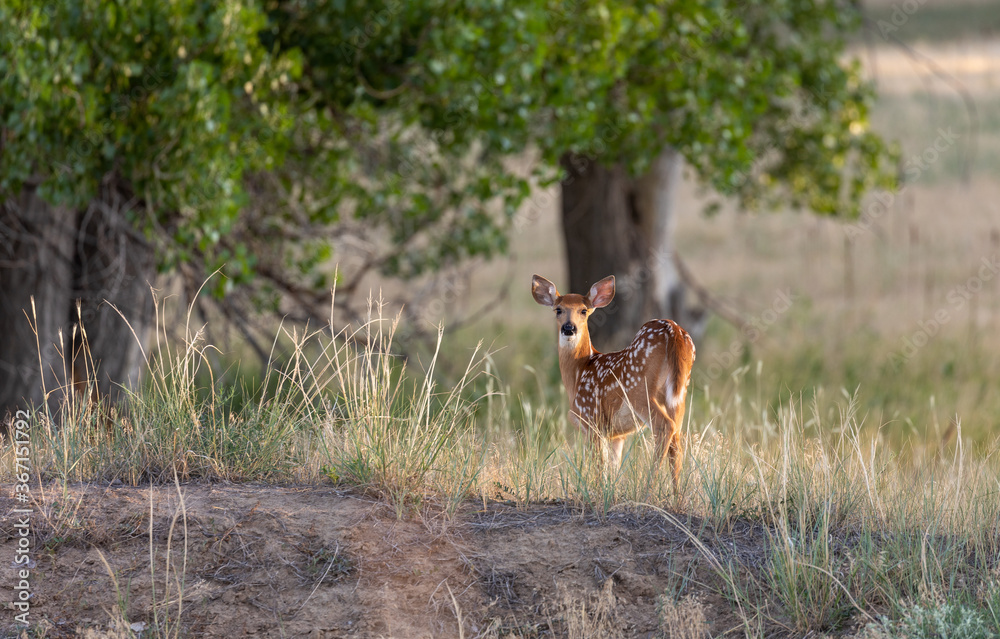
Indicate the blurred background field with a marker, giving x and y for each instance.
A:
(864, 293)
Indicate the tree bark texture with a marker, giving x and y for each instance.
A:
(76, 264)
(36, 259)
(614, 224)
(115, 269)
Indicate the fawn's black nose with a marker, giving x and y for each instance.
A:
(568, 329)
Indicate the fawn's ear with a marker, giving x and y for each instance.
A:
(543, 291)
(601, 293)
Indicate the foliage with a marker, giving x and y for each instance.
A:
(258, 137)
(755, 96)
(180, 99)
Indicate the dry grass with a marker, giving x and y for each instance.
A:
(595, 619)
(683, 618)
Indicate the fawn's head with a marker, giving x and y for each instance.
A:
(572, 310)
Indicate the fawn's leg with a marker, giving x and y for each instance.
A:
(668, 440)
(677, 442)
(602, 452)
(616, 445)
(599, 445)
(677, 456)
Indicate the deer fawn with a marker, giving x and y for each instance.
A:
(608, 392)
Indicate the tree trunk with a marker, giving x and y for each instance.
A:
(622, 226)
(115, 269)
(64, 258)
(36, 260)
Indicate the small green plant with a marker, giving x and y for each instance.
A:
(937, 620)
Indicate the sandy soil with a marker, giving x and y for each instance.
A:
(314, 561)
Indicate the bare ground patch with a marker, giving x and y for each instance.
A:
(296, 561)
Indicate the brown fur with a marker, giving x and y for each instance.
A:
(612, 394)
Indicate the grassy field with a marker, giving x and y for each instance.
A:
(841, 474)
(850, 533)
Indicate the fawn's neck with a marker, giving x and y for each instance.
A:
(573, 357)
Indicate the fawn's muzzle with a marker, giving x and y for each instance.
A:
(568, 329)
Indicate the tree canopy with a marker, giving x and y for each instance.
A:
(255, 136)
(180, 99)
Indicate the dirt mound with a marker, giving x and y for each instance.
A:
(311, 561)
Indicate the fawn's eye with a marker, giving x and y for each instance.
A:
(583, 311)
(558, 311)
